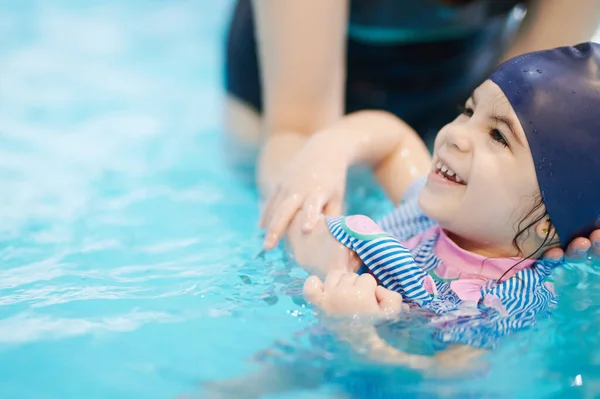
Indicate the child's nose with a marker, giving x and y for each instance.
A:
(458, 138)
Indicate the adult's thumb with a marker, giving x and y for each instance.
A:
(333, 207)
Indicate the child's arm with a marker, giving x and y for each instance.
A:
(365, 339)
(348, 295)
(315, 179)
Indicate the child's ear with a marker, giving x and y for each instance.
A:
(544, 229)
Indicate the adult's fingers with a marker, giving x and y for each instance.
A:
(554, 254)
(578, 250)
(333, 207)
(269, 207)
(280, 221)
(595, 250)
(312, 209)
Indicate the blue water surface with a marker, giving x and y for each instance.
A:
(128, 246)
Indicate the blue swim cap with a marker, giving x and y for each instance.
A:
(556, 95)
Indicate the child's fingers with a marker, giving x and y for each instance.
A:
(389, 301)
(280, 221)
(313, 290)
(348, 279)
(333, 278)
(366, 282)
(312, 208)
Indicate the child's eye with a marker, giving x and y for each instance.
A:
(466, 110)
(498, 137)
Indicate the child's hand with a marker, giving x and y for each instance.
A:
(313, 181)
(348, 294)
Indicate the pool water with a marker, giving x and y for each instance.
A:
(128, 249)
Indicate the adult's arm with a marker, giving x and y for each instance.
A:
(554, 23)
(301, 47)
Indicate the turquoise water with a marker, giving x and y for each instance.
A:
(127, 250)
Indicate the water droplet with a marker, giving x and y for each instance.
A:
(535, 131)
(539, 71)
(510, 81)
(518, 92)
(573, 91)
(525, 70)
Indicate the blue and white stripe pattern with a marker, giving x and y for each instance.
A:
(519, 301)
(388, 260)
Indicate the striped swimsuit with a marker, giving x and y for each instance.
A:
(409, 253)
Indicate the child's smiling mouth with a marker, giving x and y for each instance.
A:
(442, 170)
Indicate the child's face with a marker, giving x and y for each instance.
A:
(496, 187)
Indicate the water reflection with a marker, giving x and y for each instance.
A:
(28, 327)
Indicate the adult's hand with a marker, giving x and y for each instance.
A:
(579, 250)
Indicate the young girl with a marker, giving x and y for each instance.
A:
(514, 175)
